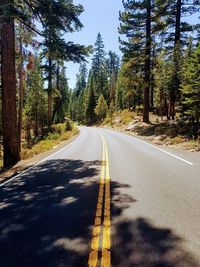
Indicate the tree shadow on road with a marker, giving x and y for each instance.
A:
(139, 243)
(48, 213)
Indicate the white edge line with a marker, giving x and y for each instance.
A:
(162, 150)
(32, 167)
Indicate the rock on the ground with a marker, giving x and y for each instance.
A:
(160, 137)
(136, 126)
(117, 120)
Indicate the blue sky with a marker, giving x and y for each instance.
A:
(99, 16)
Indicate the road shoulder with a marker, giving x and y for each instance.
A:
(23, 165)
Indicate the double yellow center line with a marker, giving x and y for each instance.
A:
(100, 246)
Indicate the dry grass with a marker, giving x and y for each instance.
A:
(107, 121)
(51, 140)
(126, 116)
(191, 145)
(69, 134)
(41, 147)
(175, 140)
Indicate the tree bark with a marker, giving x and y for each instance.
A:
(21, 93)
(152, 77)
(9, 110)
(174, 90)
(50, 92)
(57, 99)
(147, 64)
(36, 119)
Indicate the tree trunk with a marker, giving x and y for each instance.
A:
(152, 94)
(166, 109)
(147, 64)
(36, 119)
(176, 57)
(21, 95)
(152, 77)
(50, 92)
(178, 22)
(57, 102)
(9, 110)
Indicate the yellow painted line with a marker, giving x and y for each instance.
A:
(93, 256)
(101, 229)
(106, 243)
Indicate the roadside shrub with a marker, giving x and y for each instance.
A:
(58, 128)
(68, 125)
(52, 136)
(126, 116)
(66, 136)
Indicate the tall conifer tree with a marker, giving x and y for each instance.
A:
(11, 143)
(98, 69)
(136, 20)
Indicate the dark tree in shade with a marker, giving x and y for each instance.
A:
(90, 113)
(8, 76)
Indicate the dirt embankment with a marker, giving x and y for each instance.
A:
(181, 134)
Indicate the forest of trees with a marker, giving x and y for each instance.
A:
(159, 69)
(95, 90)
(33, 82)
(159, 50)
(158, 72)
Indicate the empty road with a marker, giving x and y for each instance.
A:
(107, 199)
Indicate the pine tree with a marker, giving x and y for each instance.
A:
(136, 19)
(98, 69)
(91, 103)
(24, 38)
(80, 93)
(111, 111)
(81, 79)
(129, 85)
(55, 18)
(73, 107)
(98, 60)
(81, 107)
(162, 74)
(101, 108)
(176, 32)
(113, 64)
(59, 17)
(191, 87)
(11, 144)
(35, 110)
(61, 98)
(112, 85)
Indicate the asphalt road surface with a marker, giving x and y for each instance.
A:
(107, 199)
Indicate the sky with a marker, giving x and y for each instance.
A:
(99, 16)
